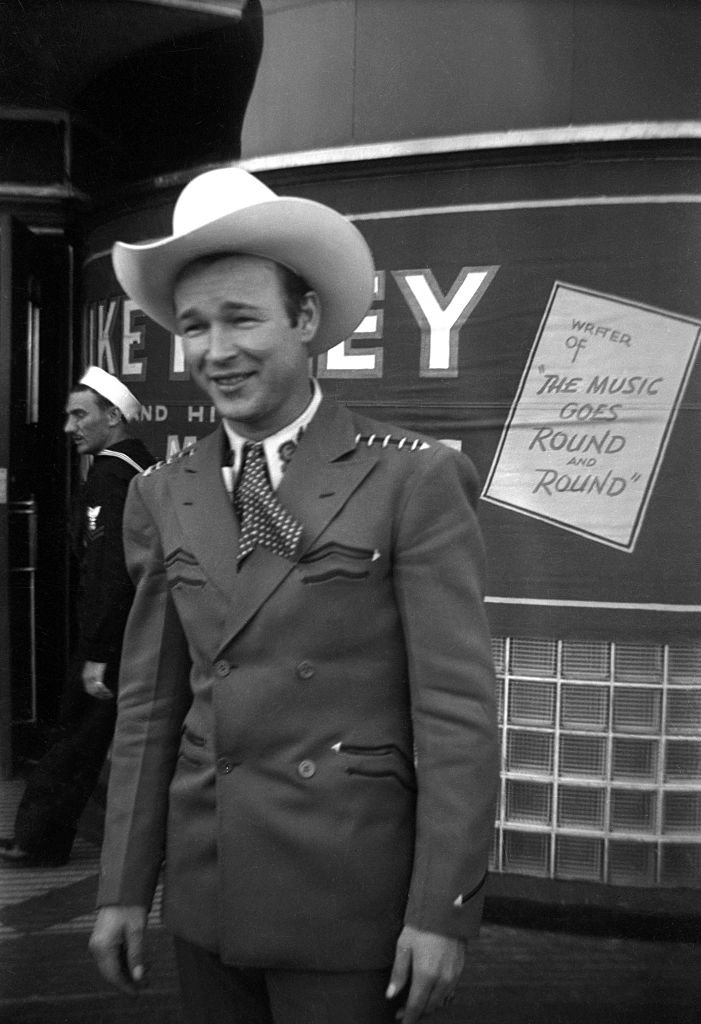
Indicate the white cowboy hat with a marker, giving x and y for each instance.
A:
(227, 210)
(111, 388)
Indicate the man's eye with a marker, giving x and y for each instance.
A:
(240, 319)
(190, 330)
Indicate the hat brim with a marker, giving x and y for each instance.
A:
(313, 240)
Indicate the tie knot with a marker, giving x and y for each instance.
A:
(251, 451)
(254, 465)
(263, 520)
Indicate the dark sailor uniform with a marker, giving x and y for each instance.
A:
(61, 783)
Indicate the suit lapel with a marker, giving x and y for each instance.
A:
(204, 510)
(319, 480)
(314, 489)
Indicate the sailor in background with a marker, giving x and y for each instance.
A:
(97, 414)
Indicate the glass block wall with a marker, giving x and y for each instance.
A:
(601, 761)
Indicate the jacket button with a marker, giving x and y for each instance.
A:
(305, 670)
(224, 766)
(222, 668)
(306, 769)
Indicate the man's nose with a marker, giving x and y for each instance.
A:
(221, 343)
(68, 426)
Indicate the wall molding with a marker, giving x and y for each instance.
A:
(623, 131)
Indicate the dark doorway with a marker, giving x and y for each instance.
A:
(35, 354)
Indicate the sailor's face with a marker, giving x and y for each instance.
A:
(240, 344)
(87, 423)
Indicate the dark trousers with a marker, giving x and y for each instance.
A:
(60, 785)
(218, 993)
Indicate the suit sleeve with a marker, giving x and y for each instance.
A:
(154, 696)
(440, 577)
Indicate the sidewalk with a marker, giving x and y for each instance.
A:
(513, 975)
(46, 914)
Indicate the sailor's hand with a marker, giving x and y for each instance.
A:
(93, 676)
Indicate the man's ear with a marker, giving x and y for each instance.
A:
(114, 416)
(309, 316)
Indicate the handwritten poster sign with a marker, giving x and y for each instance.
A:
(593, 414)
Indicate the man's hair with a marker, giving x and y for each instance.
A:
(100, 401)
(294, 287)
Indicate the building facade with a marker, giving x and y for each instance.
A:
(527, 175)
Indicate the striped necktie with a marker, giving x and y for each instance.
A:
(262, 518)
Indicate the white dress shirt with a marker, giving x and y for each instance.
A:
(279, 447)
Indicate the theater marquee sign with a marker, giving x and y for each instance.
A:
(556, 346)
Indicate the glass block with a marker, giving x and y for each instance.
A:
(683, 760)
(631, 863)
(634, 759)
(633, 810)
(681, 812)
(584, 707)
(529, 752)
(500, 700)
(531, 703)
(681, 865)
(638, 663)
(528, 802)
(636, 709)
(533, 657)
(580, 807)
(684, 711)
(586, 660)
(685, 662)
(579, 857)
(583, 755)
(499, 654)
(527, 853)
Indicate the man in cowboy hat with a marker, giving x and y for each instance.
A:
(97, 414)
(306, 728)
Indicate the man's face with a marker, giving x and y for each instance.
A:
(239, 343)
(87, 423)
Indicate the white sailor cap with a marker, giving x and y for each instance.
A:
(111, 388)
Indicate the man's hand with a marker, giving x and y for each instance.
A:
(431, 964)
(117, 945)
(93, 676)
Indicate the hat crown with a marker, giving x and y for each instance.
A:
(215, 194)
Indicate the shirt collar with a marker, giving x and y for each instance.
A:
(279, 447)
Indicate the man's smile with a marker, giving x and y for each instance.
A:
(231, 381)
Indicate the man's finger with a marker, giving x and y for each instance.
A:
(419, 1001)
(117, 946)
(400, 972)
(96, 688)
(135, 954)
(111, 962)
(441, 995)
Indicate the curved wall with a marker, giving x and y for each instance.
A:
(527, 173)
(356, 72)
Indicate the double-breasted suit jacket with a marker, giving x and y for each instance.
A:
(310, 744)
